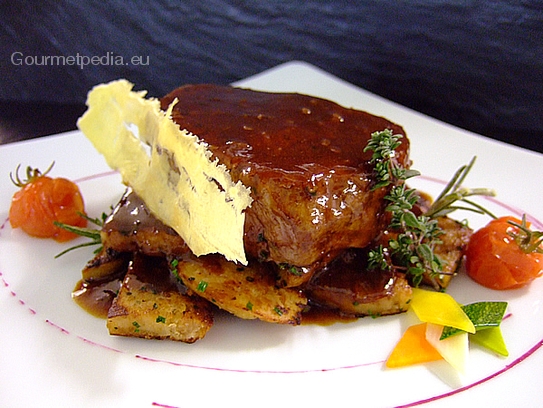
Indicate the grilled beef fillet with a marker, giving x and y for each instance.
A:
(303, 159)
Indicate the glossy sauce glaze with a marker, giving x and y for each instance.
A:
(132, 228)
(96, 298)
(284, 131)
(153, 273)
(131, 215)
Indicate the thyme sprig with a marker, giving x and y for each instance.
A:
(92, 233)
(387, 169)
(415, 236)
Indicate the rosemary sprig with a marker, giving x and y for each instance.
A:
(454, 192)
(412, 249)
(92, 233)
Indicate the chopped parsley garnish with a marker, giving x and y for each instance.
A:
(137, 326)
(279, 310)
(202, 286)
(291, 269)
(173, 269)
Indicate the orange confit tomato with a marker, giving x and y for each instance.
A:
(42, 201)
(505, 256)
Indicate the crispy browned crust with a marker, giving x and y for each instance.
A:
(248, 292)
(356, 302)
(455, 239)
(105, 264)
(229, 288)
(150, 305)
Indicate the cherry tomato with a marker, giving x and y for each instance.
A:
(495, 259)
(41, 201)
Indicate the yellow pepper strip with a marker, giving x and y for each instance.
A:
(440, 308)
(413, 348)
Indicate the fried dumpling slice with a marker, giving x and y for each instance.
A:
(347, 286)
(454, 241)
(248, 292)
(152, 304)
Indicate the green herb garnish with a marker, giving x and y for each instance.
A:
(279, 310)
(384, 145)
(173, 269)
(412, 248)
(454, 192)
(92, 233)
(202, 286)
(291, 269)
(136, 326)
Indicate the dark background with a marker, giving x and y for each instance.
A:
(474, 64)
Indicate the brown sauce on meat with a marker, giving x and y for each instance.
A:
(348, 273)
(96, 297)
(348, 285)
(131, 215)
(283, 131)
(303, 159)
(340, 276)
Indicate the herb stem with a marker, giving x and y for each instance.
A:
(412, 248)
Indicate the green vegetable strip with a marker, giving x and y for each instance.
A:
(483, 316)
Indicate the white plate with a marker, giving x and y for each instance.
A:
(54, 354)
